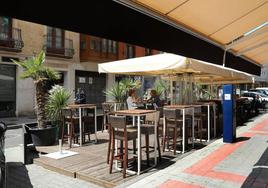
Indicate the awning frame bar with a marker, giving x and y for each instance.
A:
(244, 38)
(241, 52)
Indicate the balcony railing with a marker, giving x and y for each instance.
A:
(54, 46)
(11, 41)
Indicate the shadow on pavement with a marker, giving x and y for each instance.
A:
(17, 175)
(241, 139)
(259, 175)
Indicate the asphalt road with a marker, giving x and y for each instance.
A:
(13, 138)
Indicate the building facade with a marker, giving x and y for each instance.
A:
(20, 40)
(75, 56)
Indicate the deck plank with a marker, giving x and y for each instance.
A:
(90, 163)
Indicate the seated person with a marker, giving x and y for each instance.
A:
(80, 97)
(132, 100)
(133, 103)
(154, 100)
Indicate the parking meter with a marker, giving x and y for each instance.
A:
(229, 113)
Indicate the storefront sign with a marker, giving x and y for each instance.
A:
(82, 80)
(90, 80)
(227, 97)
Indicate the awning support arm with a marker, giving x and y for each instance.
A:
(224, 58)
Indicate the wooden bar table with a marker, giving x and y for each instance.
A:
(182, 108)
(80, 108)
(138, 113)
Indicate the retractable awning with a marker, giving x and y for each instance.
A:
(170, 65)
(240, 26)
(112, 20)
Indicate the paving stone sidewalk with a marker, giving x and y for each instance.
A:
(242, 164)
(33, 176)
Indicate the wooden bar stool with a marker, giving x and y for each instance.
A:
(87, 123)
(110, 139)
(173, 121)
(148, 129)
(188, 123)
(69, 119)
(199, 118)
(106, 109)
(108, 125)
(119, 131)
(161, 123)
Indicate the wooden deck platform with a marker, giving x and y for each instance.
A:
(90, 163)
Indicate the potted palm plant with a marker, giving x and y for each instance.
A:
(161, 88)
(57, 99)
(119, 90)
(116, 92)
(43, 78)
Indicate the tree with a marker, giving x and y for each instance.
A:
(43, 78)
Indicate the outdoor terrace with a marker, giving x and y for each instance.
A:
(90, 164)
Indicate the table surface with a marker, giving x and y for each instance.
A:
(188, 106)
(134, 112)
(111, 102)
(81, 105)
(178, 106)
(205, 103)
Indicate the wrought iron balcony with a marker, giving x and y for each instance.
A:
(57, 47)
(11, 40)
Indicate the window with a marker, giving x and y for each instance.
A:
(129, 51)
(92, 44)
(104, 45)
(148, 51)
(59, 35)
(55, 38)
(83, 42)
(49, 37)
(5, 27)
(100, 44)
(110, 43)
(114, 47)
(97, 44)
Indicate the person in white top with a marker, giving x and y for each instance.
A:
(132, 100)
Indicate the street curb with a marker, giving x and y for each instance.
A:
(14, 126)
(18, 126)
